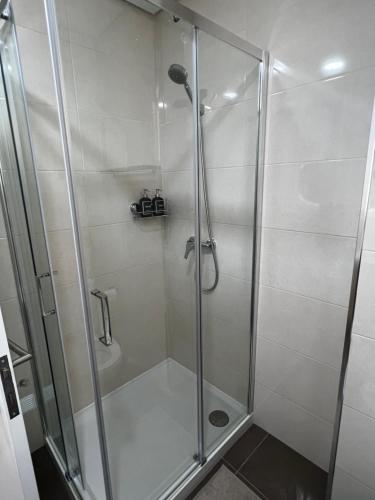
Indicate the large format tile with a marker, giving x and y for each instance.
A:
(231, 195)
(112, 143)
(297, 378)
(230, 134)
(282, 474)
(234, 250)
(310, 40)
(339, 115)
(309, 326)
(226, 75)
(113, 88)
(281, 418)
(179, 192)
(176, 145)
(54, 197)
(364, 318)
(355, 454)
(45, 130)
(245, 446)
(63, 257)
(322, 197)
(319, 266)
(360, 379)
(345, 487)
(39, 84)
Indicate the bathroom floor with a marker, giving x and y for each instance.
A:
(150, 429)
(269, 468)
(50, 484)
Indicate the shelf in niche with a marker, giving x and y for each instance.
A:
(137, 169)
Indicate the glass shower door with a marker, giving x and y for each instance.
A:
(26, 225)
(229, 101)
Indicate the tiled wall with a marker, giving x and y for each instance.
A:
(355, 464)
(322, 86)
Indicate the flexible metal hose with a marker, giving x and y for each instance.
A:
(208, 215)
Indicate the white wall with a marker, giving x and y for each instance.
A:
(354, 474)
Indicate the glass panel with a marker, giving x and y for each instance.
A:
(23, 199)
(228, 89)
(141, 287)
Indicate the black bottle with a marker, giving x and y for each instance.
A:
(158, 205)
(145, 205)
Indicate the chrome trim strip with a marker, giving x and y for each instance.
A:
(198, 249)
(257, 236)
(352, 301)
(208, 26)
(54, 44)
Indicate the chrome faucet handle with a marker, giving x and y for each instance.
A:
(190, 245)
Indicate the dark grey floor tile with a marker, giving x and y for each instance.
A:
(282, 474)
(50, 484)
(236, 456)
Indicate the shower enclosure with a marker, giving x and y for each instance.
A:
(165, 101)
(150, 236)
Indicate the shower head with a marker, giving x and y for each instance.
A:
(178, 74)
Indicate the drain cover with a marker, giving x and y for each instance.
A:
(218, 418)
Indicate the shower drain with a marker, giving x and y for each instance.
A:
(218, 418)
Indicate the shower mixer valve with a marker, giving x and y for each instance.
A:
(190, 245)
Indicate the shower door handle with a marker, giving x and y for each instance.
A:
(39, 278)
(106, 318)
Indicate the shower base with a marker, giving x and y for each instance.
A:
(150, 425)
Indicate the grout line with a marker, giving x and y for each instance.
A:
(252, 487)
(295, 405)
(331, 235)
(300, 353)
(309, 162)
(302, 295)
(252, 452)
(364, 414)
(322, 80)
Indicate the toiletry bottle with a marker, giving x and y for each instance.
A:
(145, 204)
(158, 205)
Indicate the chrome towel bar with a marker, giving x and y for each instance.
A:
(22, 353)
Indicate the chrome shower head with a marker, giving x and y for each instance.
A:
(178, 74)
